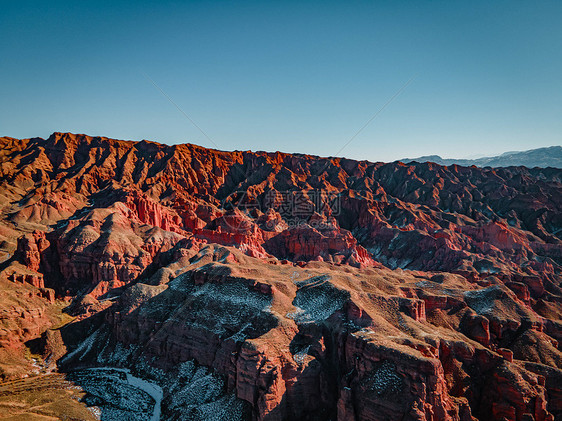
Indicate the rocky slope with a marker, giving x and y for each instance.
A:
(286, 286)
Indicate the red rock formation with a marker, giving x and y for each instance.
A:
(26, 310)
(305, 310)
(30, 247)
(467, 229)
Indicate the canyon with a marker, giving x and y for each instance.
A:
(272, 286)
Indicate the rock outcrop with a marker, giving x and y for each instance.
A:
(302, 288)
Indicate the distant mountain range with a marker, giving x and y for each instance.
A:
(541, 157)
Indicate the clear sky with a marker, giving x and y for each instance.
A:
(298, 76)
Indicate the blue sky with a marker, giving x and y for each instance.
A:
(291, 76)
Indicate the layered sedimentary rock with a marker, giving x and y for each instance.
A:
(313, 288)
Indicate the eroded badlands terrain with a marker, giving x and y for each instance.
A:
(147, 281)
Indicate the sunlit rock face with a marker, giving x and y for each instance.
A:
(272, 286)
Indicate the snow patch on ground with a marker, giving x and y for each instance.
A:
(482, 301)
(229, 309)
(84, 347)
(194, 393)
(317, 299)
(385, 379)
(301, 355)
(120, 395)
(198, 395)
